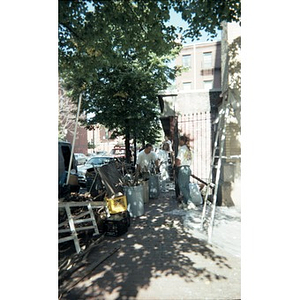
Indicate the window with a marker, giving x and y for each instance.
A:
(208, 84)
(207, 60)
(186, 60)
(187, 85)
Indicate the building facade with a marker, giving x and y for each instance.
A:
(230, 183)
(202, 67)
(211, 72)
(99, 140)
(192, 105)
(81, 145)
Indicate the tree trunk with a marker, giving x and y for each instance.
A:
(127, 143)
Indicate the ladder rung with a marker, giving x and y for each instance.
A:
(229, 157)
(65, 239)
(85, 228)
(64, 230)
(83, 221)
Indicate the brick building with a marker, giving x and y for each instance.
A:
(81, 145)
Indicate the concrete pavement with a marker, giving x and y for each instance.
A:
(158, 259)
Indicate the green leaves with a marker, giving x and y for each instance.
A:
(203, 15)
(117, 54)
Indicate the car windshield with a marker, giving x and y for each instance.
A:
(99, 160)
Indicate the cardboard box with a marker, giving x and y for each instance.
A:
(73, 180)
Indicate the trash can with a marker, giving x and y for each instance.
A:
(146, 191)
(135, 200)
(154, 189)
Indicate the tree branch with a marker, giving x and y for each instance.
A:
(71, 30)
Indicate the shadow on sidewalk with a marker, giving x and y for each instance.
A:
(155, 246)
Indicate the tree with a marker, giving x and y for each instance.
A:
(114, 32)
(205, 15)
(126, 102)
(66, 116)
(100, 55)
(117, 55)
(130, 28)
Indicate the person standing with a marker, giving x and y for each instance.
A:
(146, 161)
(183, 162)
(167, 140)
(164, 159)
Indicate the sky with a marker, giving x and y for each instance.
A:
(176, 20)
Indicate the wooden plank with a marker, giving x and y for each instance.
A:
(82, 203)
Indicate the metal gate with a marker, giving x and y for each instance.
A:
(198, 127)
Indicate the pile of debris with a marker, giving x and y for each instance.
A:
(85, 216)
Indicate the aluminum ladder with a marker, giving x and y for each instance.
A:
(69, 225)
(216, 163)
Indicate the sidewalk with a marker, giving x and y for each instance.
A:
(158, 258)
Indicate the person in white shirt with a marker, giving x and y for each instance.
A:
(167, 140)
(146, 160)
(164, 157)
(183, 161)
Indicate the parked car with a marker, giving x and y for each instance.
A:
(94, 161)
(81, 158)
(101, 153)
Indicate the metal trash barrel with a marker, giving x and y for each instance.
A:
(135, 200)
(146, 191)
(154, 189)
